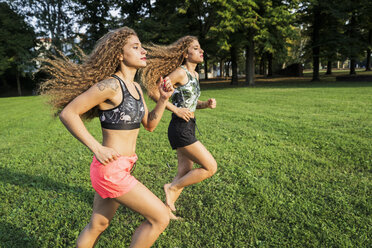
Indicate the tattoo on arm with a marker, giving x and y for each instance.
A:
(108, 83)
(152, 116)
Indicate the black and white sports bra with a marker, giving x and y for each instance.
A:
(127, 115)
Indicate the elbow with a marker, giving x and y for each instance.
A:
(65, 115)
(150, 129)
(62, 116)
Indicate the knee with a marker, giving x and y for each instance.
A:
(212, 169)
(99, 225)
(162, 219)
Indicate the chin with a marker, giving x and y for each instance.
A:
(142, 65)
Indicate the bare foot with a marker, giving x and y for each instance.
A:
(172, 216)
(169, 196)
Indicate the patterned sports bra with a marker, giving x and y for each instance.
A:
(127, 115)
(187, 95)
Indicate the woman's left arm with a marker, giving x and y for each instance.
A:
(152, 119)
(211, 103)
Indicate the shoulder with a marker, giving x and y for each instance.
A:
(108, 84)
(178, 76)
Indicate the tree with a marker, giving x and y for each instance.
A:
(94, 19)
(331, 33)
(52, 18)
(16, 41)
(366, 24)
(238, 17)
(275, 29)
(369, 45)
(202, 16)
(322, 21)
(165, 21)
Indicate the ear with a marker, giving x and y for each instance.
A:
(121, 57)
(185, 55)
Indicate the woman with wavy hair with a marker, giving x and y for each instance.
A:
(103, 85)
(179, 61)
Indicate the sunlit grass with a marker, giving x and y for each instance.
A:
(294, 159)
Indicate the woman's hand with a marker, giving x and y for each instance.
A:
(165, 88)
(106, 155)
(212, 103)
(183, 113)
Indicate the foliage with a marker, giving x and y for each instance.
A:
(17, 39)
(94, 20)
(226, 29)
(52, 19)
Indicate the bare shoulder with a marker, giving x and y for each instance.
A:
(109, 84)
(178, 76)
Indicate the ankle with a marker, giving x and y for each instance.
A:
(173, 188)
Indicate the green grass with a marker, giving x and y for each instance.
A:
(294, 159)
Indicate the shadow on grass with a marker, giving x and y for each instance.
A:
(13, 236)
(44, 183)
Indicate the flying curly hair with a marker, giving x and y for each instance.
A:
(69, 79)
(162, 60)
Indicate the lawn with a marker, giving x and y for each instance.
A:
(294, 159)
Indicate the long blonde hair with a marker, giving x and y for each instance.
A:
(69, 79)
(162, 60)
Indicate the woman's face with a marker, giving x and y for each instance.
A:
(134, 55)
(195, 53)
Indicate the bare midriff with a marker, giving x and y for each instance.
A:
(123, 141)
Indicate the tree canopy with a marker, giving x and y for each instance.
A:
(253, 36)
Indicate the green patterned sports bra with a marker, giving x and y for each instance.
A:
(187, 95)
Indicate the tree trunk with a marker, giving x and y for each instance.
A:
(234, 64)
(249, 61)
(227, 68)
(5, 83)
(270, 66)
(353, 33)
(368, 63)
(329, 67)
(352, 66)
(18, 84)
(221, 68)
(206, 66)
(315, 43)
(264, 68)
(261, 67)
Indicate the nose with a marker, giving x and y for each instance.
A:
(144, 51)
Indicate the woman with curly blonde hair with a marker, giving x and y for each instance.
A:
(179, 61)
(103, 85)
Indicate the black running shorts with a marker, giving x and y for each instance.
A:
(180, 132)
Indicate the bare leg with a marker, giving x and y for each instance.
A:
(139, 199)
(143, 201)
(184, 166)
(103, 211)
(194, 153)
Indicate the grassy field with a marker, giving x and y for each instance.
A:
(294, 159)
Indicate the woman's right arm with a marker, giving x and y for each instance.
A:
(176, 77)
(70, 117)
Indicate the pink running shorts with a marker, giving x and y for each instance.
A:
(114, 179)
